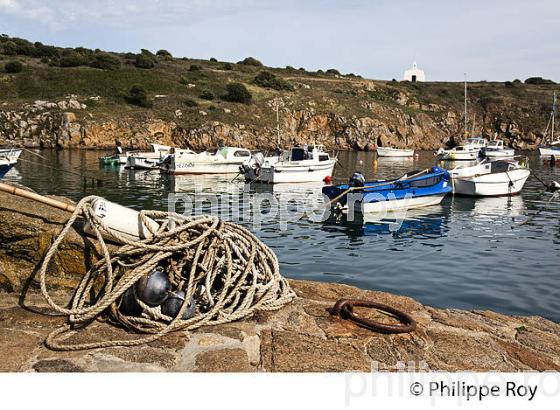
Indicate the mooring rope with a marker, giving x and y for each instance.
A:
(229, 270)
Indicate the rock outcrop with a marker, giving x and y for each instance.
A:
(69, 123)
(300, 337)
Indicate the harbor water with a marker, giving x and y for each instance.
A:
(469, 253)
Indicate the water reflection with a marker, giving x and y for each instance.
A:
(423, 223)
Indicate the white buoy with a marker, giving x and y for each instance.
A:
(121, 220)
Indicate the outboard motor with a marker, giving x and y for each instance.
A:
(357, 180)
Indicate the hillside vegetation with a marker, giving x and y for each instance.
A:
(208, 90)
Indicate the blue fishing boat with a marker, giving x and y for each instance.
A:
(8, 158)
(5, 166)
(413, 190)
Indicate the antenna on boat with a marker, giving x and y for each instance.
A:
(466, 132)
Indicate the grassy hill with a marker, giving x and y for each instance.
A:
(192, 86)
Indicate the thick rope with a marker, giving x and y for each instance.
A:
(231, 273)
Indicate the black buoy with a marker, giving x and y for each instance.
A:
(129, 305)
(172, 305)
(153, 289)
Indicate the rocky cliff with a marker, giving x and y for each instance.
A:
(68, 124)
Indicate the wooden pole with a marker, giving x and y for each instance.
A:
(10, 189)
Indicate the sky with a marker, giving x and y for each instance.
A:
(488, 40)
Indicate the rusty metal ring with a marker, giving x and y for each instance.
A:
(344, 308)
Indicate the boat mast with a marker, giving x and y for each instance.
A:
(553, 113)
(465, 103)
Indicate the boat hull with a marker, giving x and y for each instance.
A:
(502, 153)
(399, 204)
(549, 152)
(4, 168)
(503, 183)
(192, 167)
(142, 163)
(11, 154)
(394, 152)
(459, 155)
(278, 174)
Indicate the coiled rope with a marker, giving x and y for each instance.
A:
(229, 270)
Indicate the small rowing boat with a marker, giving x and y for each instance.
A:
(147, 160)
(8, 158)
(5, 166)
(412, 190)
(394, 152)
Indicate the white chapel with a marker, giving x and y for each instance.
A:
(414, 74)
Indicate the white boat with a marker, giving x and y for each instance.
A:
(226, 160)
(8, 158)
(147, 160)
(10, 154)
(552, 149)
(394, 152)
(496, 149)
(490, 178)
(459, 153)
(300, 164)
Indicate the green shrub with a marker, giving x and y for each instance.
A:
(538, 80)
(213, 60)
(189, 102)
(13, 67)
(333, 71)
(9, 48)
(509, 84)
(42, 50)
(211, 107)
(84, 51)
(70, 58)
(105, 61)
(144, 61)
(517, 81)
(237, 92)
(164, 53)
(290, 68)
(227, 66)
(195, 67)
(207, 95)
(147, 52)
(137, 96)
(251, 61)
(266, 79)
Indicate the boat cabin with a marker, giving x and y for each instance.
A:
(307, 152)
(495, 144)
(477, 142)
(160, 149)
(233, 153)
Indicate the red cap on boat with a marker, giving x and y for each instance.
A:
(327, 180)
